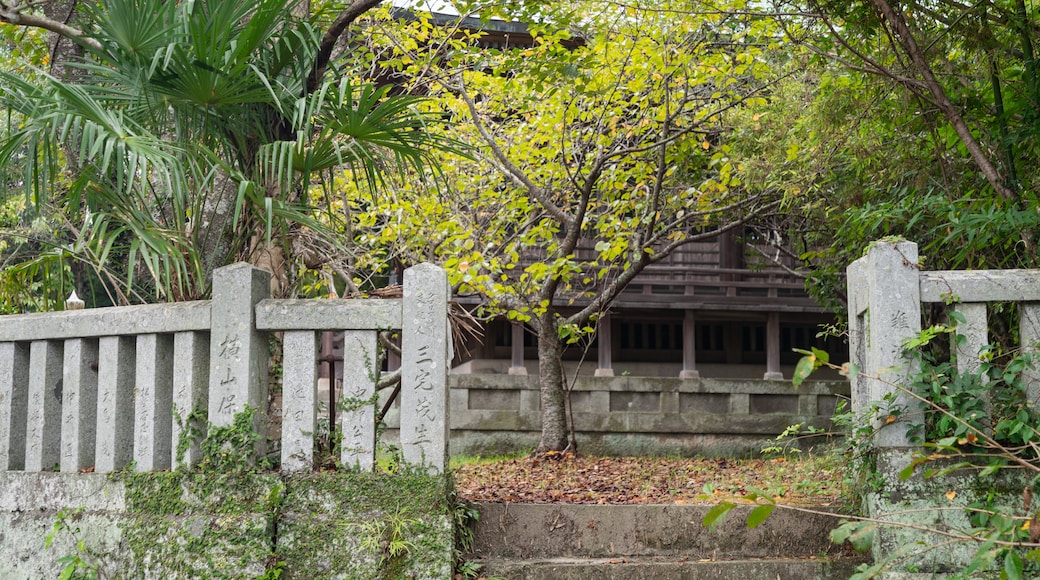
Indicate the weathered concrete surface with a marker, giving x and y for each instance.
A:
(527, 531)
(640, 569)
(30, 505)
(658, 542)
(921, 503)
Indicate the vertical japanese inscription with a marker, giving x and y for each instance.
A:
(238, 352)
(424, 353)
(357, 416)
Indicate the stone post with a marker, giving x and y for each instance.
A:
(115, 404)
(153, 403)
(972, 336)
(1029, 340)
(238, 352)
(14, 397)
(358, 416)
(299, 399)
(190, 390)
(884, 311)
(425, 353)
(43, 420)
(79, 404)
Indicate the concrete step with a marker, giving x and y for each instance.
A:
(663, 569)
(546, 531)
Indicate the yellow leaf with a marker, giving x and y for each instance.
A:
(951, 494)
(1025, 526)
(705, 145)
(890, 419)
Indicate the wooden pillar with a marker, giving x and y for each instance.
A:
(516, 346)
(773, 348)
(689, 348)
(605, 342)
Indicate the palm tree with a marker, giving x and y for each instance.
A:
(189, 136)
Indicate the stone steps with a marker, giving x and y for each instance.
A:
(659, 542)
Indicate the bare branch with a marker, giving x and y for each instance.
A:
(13, 15)
(949, 110)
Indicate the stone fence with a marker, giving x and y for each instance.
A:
(100, 388)
(886, 290)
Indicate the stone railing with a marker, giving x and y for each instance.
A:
(929, 507)
(886, 291)
(97, 389)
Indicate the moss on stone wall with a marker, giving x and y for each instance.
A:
(318, 525)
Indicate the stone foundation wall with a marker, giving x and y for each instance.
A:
(205, 525)
(498, 414)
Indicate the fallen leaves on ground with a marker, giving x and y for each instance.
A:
(646, 480)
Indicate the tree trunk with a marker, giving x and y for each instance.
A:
(550, 383)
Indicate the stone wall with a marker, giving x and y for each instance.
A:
(497, 414)
(205, 525)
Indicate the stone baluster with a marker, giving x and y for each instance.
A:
(358, 415)
(14, 397)
(299, 399)
(79, 404)
(153, 403)
(115, 402)
(43, 417)
(190, 393)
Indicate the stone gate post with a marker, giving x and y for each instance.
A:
(238, 351)
(425, 356)
(884, 311)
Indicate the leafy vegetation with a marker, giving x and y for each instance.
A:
(185, 138)
(597, 150)
(977, 463)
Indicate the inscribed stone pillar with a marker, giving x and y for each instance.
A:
(43, 417)
(890, 313)
(974, 330)
(358, 414)
(604, 348)
(115, 405)
(79, 404)
(14, 397)
(190, 392)
(425, 353)
(299, 399)
(238, 352)
(153, 403)
(689, 347)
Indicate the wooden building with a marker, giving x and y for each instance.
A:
(717, 309)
